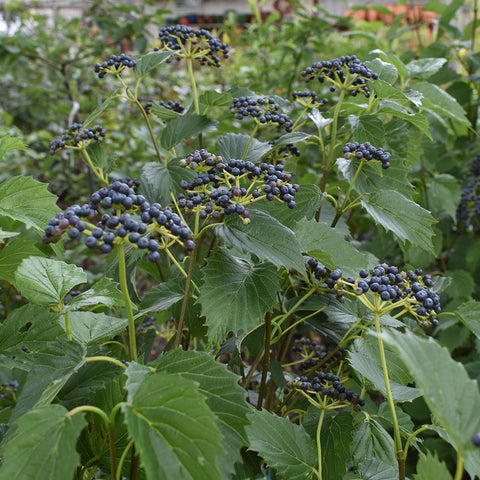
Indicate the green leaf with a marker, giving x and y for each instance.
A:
(185, 127)
(256, 238)
(158, 180)
(150, 61)
(329, 247)
(211, 98)
(284, 446)
(365, 359)
(28, 201)
(92, 118)
(12, 255)
(162, 296)
(45, 282)
(44, 445)
(236, 294)
(98, 156)
(89, 328)
(173, 429)
(444, 194)
(384, 90)
(233, 145)
(164, 113)
(105, 292)
(372, 441)
(441, 102)
(424, 68)
(394, 60)
(416, 119)
(406, 219)
(292, 138)
(5, 235)
(374, 469)
(52, 368)
(368, 128)
(469, 314)
(224, 396)
(452, 397)
(9, 143)
(430, 466)
(386, 71)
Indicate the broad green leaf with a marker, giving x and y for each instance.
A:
(44, 445)
(365, 359)
(308, 200)
(424, 68)
(52, 367)
(256, 238)
(105, 292)
(211, 98)
(92, 118)
(89, 328)
(28, 201)
(368, 128)
(444, 194)
(98, 156)
(284, 446)
(450, 394)
(372, 442)
(159, 180)
(386, 71)
(329, 247)
(29, 326)
(5, 235)
(136, 374)
(440, 101)
(9, 143)
(236, 294)
(384, 90)
(469, 314)
(164, 113)
(373, 178)
(393, 59)
(173, 429)
(374, 469)
(163, 296)
(45, 282)
(150, 61)
(225, 398)
(12, 255)
(233, 145)
(292, 138)
(418, 120)
(406, 219)
(430, 466)
(185, 127)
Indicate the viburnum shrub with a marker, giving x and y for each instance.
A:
(242, 325)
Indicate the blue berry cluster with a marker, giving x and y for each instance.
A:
(468, 210)
(169, 105)
(347, 72)
(321, 382)
(131, 220)
(202, 44)
(308, 98)
(323, 274)
(476, 439)
(115, 64)
(314, 353)
(263, 110)
(227, 186)
(368, 152)
(77, 135)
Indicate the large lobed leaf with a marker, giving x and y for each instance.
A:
(236, 294)
(284, 446)
(43, 446)
(184, 127)
(173, 429)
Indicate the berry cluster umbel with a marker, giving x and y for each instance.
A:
(228, 186)
(265, 111)
(114, 65)
(309, 98)
(131, 220)
(77, 137)
(314, 353)
(329, 385)
(187, 42)
(367, 151)
(348, 73)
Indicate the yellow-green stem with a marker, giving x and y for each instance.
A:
(101, 358)
(459, 470)
(122, 460)
(383, 360)
(194, 85)
(122, 270)
(68, 327)
(244, 156)
(319, 443)
(266, 358)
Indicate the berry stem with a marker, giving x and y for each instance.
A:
(410, 438)
(319, 443)
(377, 311)
(194, 84)
(244, 156)
(266, 358)
(101, 358)
(122, 460)
(459, 470)
(122, 269)
(98, 172)
(68, 327)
